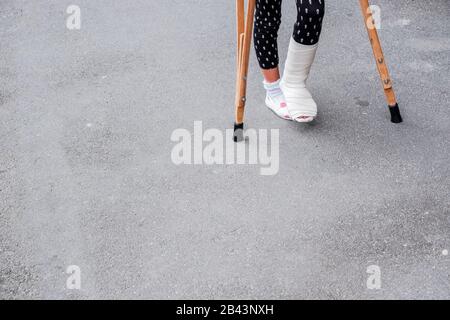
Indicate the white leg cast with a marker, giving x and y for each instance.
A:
(300, 103)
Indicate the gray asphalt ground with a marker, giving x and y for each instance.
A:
(86, 176)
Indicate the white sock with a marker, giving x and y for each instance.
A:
(275, 99)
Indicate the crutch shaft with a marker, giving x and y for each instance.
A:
(381, 62)
(378, 53)
(244, 43)
(240, 25)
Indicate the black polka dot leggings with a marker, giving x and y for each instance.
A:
(267, 22)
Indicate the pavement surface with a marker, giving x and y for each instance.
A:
(86, 176)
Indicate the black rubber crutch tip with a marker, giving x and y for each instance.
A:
(238, 135)
(396, 117)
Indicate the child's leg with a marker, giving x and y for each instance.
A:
(267, 23)
(308, 27)
(301, 54)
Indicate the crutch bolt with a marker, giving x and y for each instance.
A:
(396, 117)
(238, 132)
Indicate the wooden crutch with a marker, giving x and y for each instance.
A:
(381, 62)
(244, 22)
